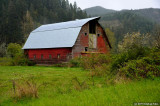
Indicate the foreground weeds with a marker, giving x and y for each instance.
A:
(71, 86)
(134, 63)
(25, 89)
(79, 85)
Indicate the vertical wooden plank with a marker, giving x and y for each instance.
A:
(92, 41)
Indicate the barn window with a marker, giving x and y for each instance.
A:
(85, 34)
(86, 49)
(34, 56)
(50, 56)
(41, 56)
(92, 27)
(58, 56)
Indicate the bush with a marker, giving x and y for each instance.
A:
(97, 64)
(102, 70)
(74, 62)
(135, 63)
(141, 68)
(14, 49)
(133, 53)
(21, 60)
(94, 60)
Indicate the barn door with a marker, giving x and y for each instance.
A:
(92, 41)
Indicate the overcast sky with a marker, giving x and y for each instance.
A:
(118, 4)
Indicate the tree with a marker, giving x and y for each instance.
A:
(19, 17)
(135, 39)
(111, 38)
(157, 36)
(14, 49)
(2, 50)
(27, 25)
(14, 27)
(3, 25)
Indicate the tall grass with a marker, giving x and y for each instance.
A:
(25, 89)
(71, 86)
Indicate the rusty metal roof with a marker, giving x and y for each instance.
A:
(56, 35)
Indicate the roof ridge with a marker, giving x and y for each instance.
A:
(62, 25)
(72, 20)
(56, 29)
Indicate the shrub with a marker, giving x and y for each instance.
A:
(97, 64)
(21, 60)
(60, 65)
(74, 62)
(133, 53)
(14, 49)
(94, 60)
(101, 70)
(141, 68)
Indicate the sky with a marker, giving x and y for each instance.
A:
(118, 4)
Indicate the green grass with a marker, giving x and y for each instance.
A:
(59, 88)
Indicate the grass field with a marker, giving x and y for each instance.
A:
(59, 88)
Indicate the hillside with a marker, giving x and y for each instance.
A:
(128, 21)
(19, 17)
(152, 14)
(98, 11)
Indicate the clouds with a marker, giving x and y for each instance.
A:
(118, 4)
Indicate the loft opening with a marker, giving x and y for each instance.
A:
(92, 27)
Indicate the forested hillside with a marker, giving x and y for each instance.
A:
(127, 22)
(19, 17)
(143, 21)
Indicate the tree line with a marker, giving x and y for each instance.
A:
(19, 17)
(125, 22)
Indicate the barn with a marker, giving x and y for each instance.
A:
(60, 42)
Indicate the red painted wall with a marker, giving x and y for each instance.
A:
(64, 52)
(102, 44)
(83, 41)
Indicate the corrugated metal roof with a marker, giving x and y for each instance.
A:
(56, 35)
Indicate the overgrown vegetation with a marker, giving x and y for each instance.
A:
(69, 86)
(137, 62)
(137, 58)
(15, 56)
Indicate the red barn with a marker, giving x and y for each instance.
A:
(60, 42)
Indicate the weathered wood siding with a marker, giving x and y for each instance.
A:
(83, 41)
